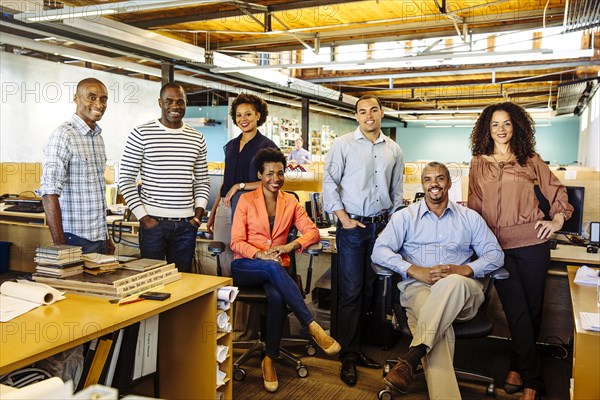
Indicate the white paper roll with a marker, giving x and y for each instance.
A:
(222, 320)
(33, 293)
(222, 353)
(227, 293)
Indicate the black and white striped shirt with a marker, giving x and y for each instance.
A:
(173, 170)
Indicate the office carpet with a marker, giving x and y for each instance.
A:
(489, 356)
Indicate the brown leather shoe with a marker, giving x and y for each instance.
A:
(530, 394)
(400, 377)
(513, 383)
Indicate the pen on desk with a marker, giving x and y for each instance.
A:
(131, 301)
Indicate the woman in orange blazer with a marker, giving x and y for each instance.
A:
(259, 235)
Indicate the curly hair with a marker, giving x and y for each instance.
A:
(259, 105)
(267, 155)
(522, 143)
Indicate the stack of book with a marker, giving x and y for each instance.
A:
(116, 286)
(143, 264)
(59, 260)
(97, 264)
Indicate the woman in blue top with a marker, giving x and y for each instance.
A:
(248, 112)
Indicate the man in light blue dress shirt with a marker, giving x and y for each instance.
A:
(362, 185)
(431, 243)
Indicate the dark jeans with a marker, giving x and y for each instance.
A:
(175, 240)
(522, 297)
(356, 281)
(87, 246)
(280, 289)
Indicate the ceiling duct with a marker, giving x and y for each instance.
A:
(574, 96)
(581, 14)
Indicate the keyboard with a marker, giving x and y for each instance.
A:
(26, 208)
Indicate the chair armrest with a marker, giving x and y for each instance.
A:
(381, 271)
(216, 247)
(499, 274)
(314, 249)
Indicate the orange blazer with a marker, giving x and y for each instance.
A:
(251, 233)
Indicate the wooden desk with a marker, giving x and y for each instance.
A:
(187, 334)
(574, 254)
(586, 349)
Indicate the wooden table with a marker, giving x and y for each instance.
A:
(574, 254)
(586, 349)
(187, 334)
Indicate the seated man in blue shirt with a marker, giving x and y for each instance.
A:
(298, 156)
(430, 243)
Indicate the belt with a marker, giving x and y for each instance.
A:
(182, 219)
(369, 220)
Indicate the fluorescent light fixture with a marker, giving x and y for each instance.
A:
(400, 62)
(93, 11)
(56, 15)
(449, 126)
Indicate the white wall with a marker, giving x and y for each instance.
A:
(37, 96)
(589, 136)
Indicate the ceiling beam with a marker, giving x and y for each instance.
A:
(520, 67)
(220, 14)
(403, 28)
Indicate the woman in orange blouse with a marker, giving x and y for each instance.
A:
(503, 171)
(259, 235)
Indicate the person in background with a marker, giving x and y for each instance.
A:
(298, 155)
(503, 171)
(73, 187)
(362, 185)
(259, 241)
(437, 284)
(170, 157)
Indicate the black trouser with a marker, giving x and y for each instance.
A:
(356, 281)
(522, 297)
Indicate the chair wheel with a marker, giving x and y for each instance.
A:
(310, 350)
(302, 371)
(239, 374)
(386, 369)
(384, 394)
(491, 390)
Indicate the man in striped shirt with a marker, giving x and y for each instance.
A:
(73, 186)
(170, 158)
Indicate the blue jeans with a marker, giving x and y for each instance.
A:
(87, 246)
(175, 240)
(356, 281)
(280, 289)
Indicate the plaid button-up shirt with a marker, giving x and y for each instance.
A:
(73, 169)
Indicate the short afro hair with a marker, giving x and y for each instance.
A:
(266, 155)
(259, 105)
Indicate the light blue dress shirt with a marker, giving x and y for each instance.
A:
(416, 236)
(362, 177)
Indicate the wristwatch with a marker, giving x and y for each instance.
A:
(242, 185)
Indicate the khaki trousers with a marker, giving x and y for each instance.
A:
(430, 310)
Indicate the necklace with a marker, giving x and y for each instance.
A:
(502, 163)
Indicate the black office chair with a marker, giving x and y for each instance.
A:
(478, 327)
(255, 296)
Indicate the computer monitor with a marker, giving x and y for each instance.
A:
(572, 226)
(215, 185)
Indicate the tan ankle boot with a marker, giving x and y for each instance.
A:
(323, 340)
